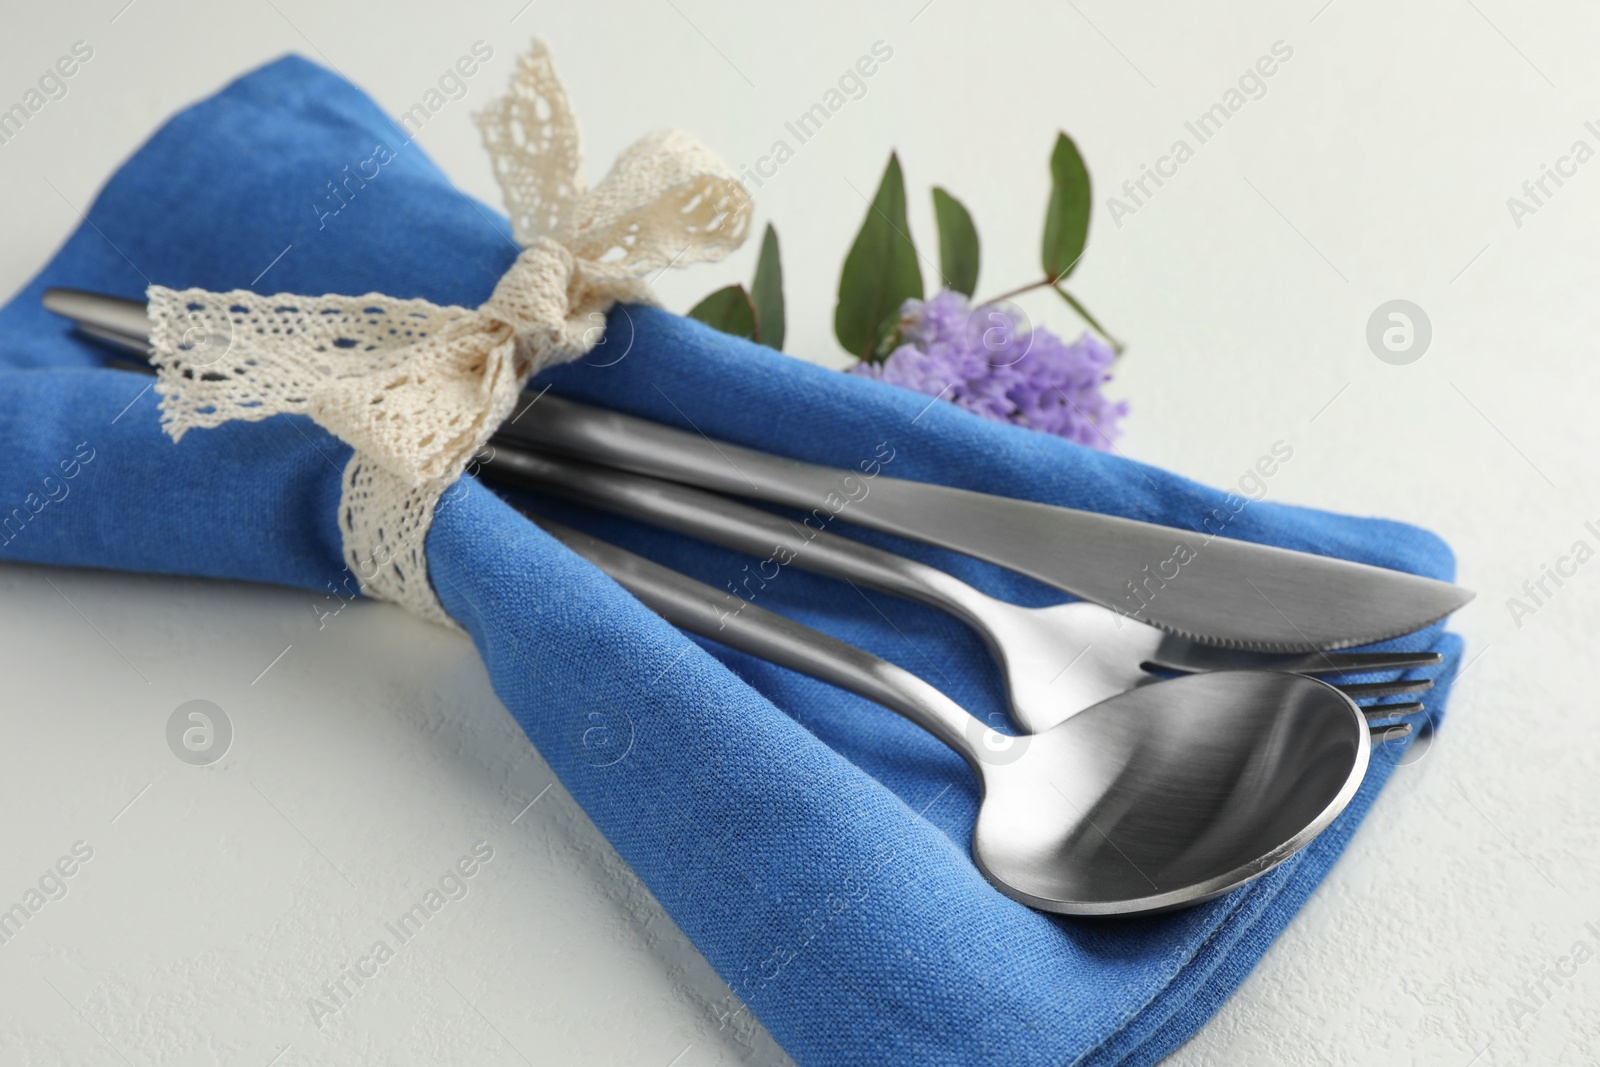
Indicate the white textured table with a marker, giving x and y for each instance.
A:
(370, 755)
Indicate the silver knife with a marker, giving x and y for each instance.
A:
(1209, 589)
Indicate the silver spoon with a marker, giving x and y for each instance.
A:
(1158, 798)
(1056, 661)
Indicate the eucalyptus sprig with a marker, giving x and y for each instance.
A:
(882, 272)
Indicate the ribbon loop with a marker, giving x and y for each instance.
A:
(666, 200)
(415, 388)
(531, 135)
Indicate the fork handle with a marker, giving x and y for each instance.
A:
(700, 609)
(712, 517)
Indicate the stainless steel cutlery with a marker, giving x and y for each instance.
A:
(1124, 793)
(1213, 590)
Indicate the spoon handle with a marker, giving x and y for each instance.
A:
(739, 624)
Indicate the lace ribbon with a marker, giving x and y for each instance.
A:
(417, 389)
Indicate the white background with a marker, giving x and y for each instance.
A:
(372, 753)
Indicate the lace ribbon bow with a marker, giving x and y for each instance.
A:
(417, 389)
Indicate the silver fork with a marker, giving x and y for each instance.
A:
(1056, 661)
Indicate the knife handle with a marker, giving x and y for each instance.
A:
(646, 447)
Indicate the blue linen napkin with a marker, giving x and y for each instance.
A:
(811, 844)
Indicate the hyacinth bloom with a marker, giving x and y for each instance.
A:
(989, 361)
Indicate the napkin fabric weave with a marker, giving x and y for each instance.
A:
(811, 844)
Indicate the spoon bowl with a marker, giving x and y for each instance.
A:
(1169, 794)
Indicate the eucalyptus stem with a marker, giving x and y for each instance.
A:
(1116, 345)
(1018, 291)
(1072, 302)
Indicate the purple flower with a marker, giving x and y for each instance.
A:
(987, 360)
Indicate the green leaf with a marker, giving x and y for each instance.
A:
(1072, 302)
(1066, 223)
(958, 243)
(881, 271)
(729, 310)
(766, 292)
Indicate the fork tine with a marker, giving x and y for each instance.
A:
(1352, 662)
(1390, 731)
(1175, 654)
(1385, 713)
(1372, 690)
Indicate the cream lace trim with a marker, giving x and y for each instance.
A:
(417, 389)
